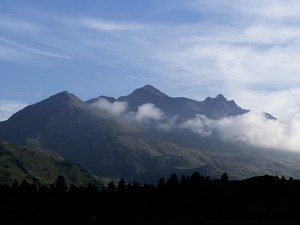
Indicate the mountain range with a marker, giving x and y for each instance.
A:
(142, 136)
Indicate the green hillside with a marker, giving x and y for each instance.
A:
(37, 165)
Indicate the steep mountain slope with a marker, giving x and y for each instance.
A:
(112, 146)
(39, 166)
(64, 123)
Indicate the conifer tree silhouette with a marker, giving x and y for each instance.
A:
(60, 184)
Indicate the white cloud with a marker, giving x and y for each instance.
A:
(8, 108)
(281, 104)
(148, 112)
(251, 128)
(116, 108)
(271, 34)
(279, 9)
(201, 125)
(260, 60)
(262, 9)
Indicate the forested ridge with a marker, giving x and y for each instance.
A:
(191, 199)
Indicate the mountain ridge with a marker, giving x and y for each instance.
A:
(183, 107)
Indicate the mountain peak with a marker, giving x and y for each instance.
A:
(150, 89)
(223, 107)
(65, 96)
(221, 97)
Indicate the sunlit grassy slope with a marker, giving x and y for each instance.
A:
(37, 165)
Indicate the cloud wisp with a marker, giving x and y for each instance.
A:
(107, 26)
(147, 112)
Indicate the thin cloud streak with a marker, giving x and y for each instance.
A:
(102, 25)
(18, 25)
(34, 50)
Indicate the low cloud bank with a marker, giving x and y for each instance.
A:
(148, 112)
(115, 108)
(251, 128)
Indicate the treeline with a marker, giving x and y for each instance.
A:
(60, 185)
(185, 200)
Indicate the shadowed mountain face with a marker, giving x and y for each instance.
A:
(113, 146)
(67, 125)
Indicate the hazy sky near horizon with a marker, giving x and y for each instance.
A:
(248, 50)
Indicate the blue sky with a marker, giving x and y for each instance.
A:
(247, 50)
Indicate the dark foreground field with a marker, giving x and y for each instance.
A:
(192, 200)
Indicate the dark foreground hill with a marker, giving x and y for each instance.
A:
(38, 166)
(118, 145)
(189, 200)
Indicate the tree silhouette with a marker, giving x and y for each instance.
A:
(173, 181)
(122, 185)
(60, 184)
(196, 179)
(73, 189)
(15, 187)
(183, 180)
(161, 183)
(224, 177)
(91, 188)
(111, 187)
(27, 188)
